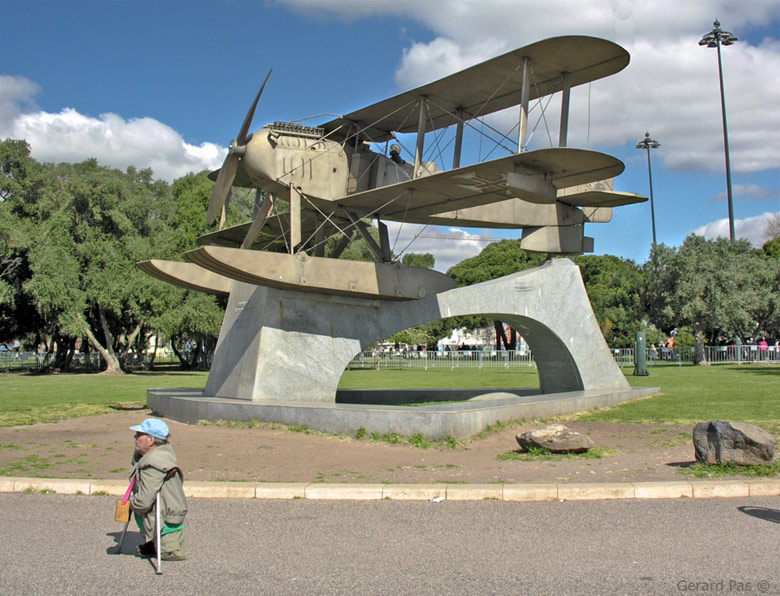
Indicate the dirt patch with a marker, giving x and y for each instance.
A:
(100, 447)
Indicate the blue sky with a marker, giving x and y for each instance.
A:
(166, 84)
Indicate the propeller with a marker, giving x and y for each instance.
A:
(227, 172)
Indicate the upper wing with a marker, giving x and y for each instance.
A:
(487, 87)
(483, 183)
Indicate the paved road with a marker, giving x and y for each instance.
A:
(56, 544)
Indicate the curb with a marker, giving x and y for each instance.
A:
(696, 489)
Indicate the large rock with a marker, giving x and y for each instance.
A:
(555, 437)
(720, 442)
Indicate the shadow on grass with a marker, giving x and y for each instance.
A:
(766, 371)
(163, 373)
(136, 373)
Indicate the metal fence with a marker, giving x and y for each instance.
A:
(446, 359)
(13, 361)
(399, 359)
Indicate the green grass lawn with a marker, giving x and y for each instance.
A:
(439, 378)
(692, 394)
(27, 399)
(689, 394)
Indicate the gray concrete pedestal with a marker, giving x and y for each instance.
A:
(288, 349)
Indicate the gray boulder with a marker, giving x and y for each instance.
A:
(720, 442)
(555, 437)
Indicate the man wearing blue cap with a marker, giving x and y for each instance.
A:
(155, 469)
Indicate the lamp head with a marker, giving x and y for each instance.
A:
(718, 37)
(648, 143)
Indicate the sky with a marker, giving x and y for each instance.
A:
(166, 84)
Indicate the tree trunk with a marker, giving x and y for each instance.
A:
(112, 364)
(65, 349)
(195, 362)
(128, 345)
(500, 335)
(183, 361)
(208, 353)
(149, 364)
(48, 346)
(699, 354)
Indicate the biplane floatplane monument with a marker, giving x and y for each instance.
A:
(297, 314)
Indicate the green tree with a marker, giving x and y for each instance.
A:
(188, 319)
(495, 260)
(422, 260)
(717, 288)
(613, 286)
(19, 178)
(83, 227)
(771, 248)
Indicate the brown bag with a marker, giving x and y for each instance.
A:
(122, 511)
(123, 505)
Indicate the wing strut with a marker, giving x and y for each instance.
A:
(564, 110)
(524, 94)
(418, 152)
(378, 251)
(319, 236)
(295, 217)
(384, 241)
(343, 243)
(458, 140)
(258, 222)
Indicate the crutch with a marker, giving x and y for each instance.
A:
(122, 539)
(157, 530)
(118, 550)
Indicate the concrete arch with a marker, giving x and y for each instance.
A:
(288, 346)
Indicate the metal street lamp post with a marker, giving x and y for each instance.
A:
(648, 143)
(714, 39)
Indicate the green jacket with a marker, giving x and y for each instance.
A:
(158, 471)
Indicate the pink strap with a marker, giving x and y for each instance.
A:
(129, 490)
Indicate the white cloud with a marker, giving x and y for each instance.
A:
(426, 62)
(749, 192)
(750, 228)
(69, 136)
(16, 94)
(670, 88)
(449, 246)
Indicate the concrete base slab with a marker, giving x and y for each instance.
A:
(437, 421)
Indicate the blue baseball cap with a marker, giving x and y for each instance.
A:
(153, 427)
